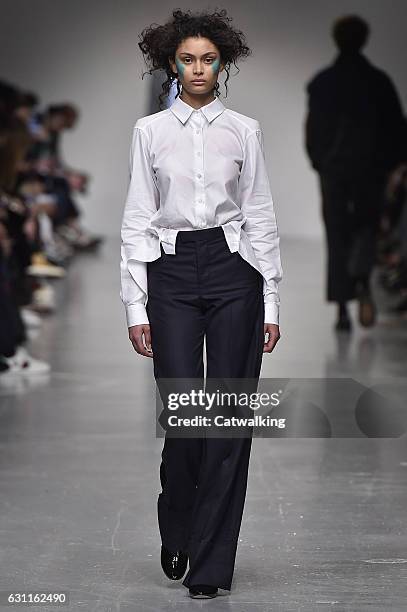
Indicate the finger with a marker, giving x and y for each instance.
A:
(147, 339)
(140, 349)
(137, 342)
(271, 343)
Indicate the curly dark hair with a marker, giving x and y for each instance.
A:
(159, 42)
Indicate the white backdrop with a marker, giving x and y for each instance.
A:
(86, 52)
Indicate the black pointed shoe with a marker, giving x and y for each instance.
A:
(203, 591)
(174, 564)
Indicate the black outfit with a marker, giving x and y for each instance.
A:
(12, 328)
(204, 290)
(354, 133)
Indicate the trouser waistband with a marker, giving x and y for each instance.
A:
(206, 235)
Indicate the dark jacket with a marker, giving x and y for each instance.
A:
(355, 121)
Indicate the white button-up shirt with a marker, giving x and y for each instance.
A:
(194, 169)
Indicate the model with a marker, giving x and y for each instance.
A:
(353, 136)
(199, 260)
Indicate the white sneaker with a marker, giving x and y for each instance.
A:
(41, 267)
(23, 363)
(30, 318)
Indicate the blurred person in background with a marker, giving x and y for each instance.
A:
(15, 247)
(393, 237)
(45, 157)
(39, 220)
(352, 136)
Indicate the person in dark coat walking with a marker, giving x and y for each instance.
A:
(352, 135)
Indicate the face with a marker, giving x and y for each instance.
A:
(23, 112)
(57, 122)
(197, 59)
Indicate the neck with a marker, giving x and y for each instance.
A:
(351, 54)
(196, 101)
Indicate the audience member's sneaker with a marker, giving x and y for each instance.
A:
(22, 362)
(67, 232)
(63, 246)
(40, 266)
(79, 238)
(55, 256)
(43, 299)
(88, 241)
(31, 319)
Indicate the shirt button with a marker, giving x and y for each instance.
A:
(200, 200)
(199, 175)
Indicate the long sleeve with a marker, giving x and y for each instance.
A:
(260, 225)
(137, 245)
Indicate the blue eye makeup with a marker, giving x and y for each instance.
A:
(180, 67)
(215, 65)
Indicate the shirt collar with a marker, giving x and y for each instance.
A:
(183, 111)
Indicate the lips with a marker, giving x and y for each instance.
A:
(199, 81)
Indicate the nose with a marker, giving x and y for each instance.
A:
(198, 68)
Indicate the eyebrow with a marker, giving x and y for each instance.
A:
(203, 55)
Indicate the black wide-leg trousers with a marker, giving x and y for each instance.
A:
(204, 291)
(351, 210)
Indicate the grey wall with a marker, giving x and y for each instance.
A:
(86, 51)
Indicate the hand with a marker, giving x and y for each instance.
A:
(394, 181)
(273, 331)
(30, 228)
(77, 181)
(5, 241)
(136, 337)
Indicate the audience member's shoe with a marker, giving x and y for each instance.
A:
(40, 266)
(67, 232)
(43, 299)
(55, 256)
(88, 241)
(174, 564)
(23, 363)
(343, 323)
(203, 591)
(31, 319)
(63, 246)
(79, 238)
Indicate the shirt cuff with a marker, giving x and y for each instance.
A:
(271, 313)
(136, 314)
